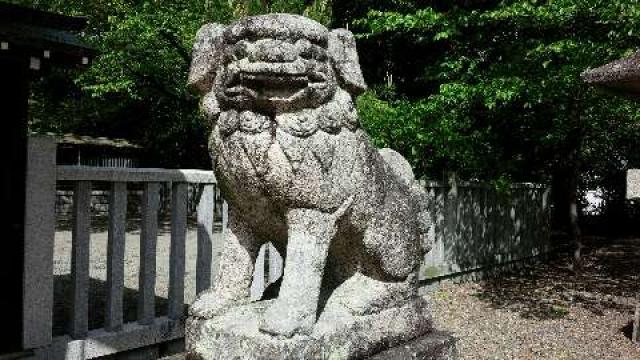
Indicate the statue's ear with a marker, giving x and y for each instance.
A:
(342, 50)
(207, 50)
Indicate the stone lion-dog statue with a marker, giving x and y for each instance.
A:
(297, 170)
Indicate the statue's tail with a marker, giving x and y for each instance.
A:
(402, 169)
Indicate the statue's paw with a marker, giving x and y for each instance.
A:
(287, 320)
(211, 303)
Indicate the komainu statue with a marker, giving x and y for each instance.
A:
(297, 170)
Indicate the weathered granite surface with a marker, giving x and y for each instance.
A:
(433, 346)
(338, 334)
(298, 170)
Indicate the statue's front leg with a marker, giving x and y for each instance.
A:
(232, 283)
(294, 311)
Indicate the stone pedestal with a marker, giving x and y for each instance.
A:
(436, 345)
(396, 333)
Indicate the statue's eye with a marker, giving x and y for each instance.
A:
(319, 53)
(241, 50)
(235, 52)
(304, 49)
(307, 50)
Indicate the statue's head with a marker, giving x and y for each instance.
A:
(273, 64)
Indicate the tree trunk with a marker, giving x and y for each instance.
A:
(566, 198)
(573, 164)
(574, 227)
(566, 210)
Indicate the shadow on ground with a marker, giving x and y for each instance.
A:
(97, 297)
(610, 279)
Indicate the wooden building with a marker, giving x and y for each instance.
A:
(96, 151)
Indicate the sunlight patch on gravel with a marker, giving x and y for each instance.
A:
(489, 331)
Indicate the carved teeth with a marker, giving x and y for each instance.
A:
(297, 67)
(317, 77)
(239, 91)
(263, 79)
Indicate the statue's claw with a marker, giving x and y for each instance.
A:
(211, 303)
(287, 320)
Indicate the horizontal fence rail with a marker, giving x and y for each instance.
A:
(79, 173)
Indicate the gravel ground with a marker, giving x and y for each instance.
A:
(487, 332)
(546, 311)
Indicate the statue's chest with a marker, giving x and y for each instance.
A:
(277, 164)
(277, 153)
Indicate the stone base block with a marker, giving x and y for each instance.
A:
(436, 345)
(338, 334)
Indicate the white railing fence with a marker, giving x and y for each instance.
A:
(80, 342)
(116, 336)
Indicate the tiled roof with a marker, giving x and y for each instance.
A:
(622, 75)
(74, 139)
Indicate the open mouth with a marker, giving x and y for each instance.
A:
(272, 85)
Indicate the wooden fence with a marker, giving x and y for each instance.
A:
(476, 226)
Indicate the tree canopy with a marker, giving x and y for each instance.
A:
(492, 88)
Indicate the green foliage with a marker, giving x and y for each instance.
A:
(492, 89)
(487, 88)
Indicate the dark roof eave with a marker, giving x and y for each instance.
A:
(35, 39)
(622, 73)
(29, 32)
(26, 15)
